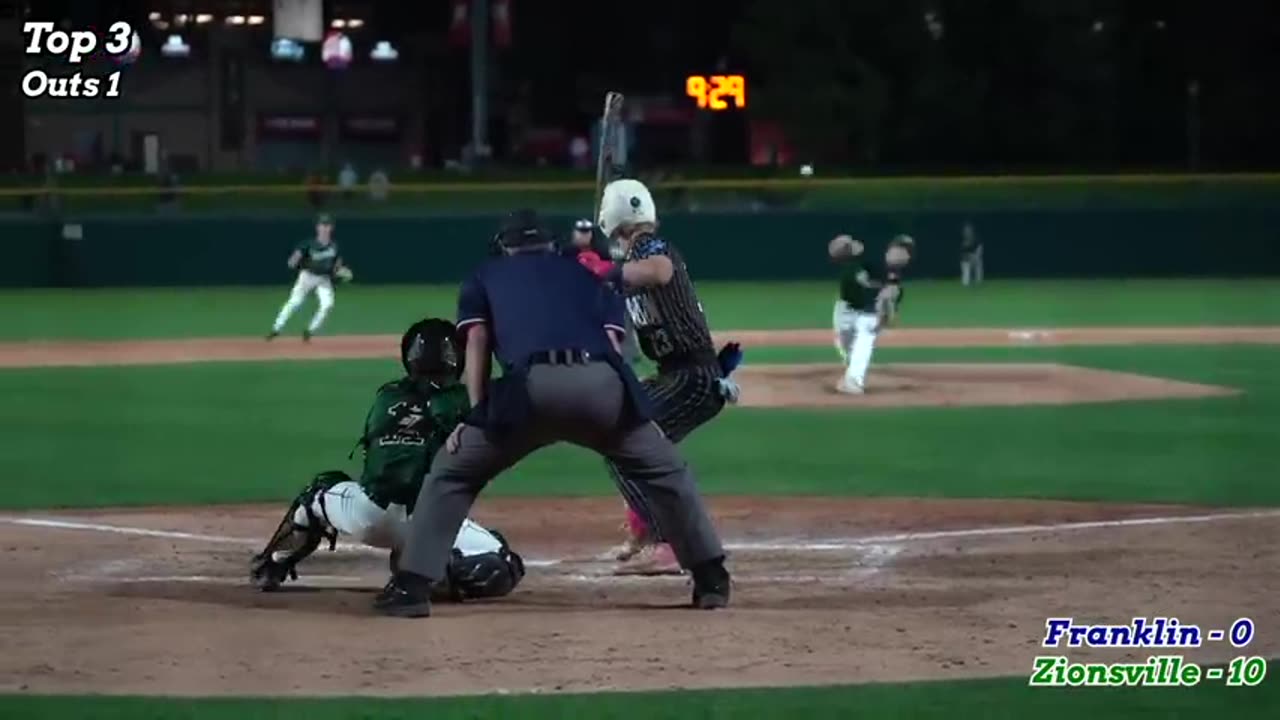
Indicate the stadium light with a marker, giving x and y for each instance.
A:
(338, 23)
(202, 18)
(355, 22)
(161, 24)
(180, 19)
(384, 51)
(154, 16)
(256, 19)
(235, 19)
(175, 46)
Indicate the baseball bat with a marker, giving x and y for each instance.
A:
(608, 168)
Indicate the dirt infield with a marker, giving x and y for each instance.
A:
(827, 590)
(956, 384)
(154, 352)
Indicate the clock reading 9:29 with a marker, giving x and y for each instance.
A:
(717, 92)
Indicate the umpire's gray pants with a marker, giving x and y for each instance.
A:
(584, 405)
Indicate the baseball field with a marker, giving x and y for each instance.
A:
(1098, 450)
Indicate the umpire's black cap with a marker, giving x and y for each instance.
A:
(522, 228)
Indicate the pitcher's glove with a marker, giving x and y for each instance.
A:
(887, 305)
(344, 274)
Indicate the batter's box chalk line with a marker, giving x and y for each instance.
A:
(875, 551)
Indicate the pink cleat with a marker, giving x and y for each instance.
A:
(657, 559)
(638, 538)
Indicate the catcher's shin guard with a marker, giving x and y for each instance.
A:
(292, 542)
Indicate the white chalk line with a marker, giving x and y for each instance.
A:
(878, 550)
(870, 542)
(837, 544)
(342, 581)
(54, 523)
(322, 580)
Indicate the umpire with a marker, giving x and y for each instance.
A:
(556, 331)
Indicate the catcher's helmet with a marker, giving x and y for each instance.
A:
(430, 349)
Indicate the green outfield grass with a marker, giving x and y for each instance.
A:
(158, 313)
(231, 432)
(236, 432)
(999, 699)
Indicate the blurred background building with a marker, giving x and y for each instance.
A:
(868, 86)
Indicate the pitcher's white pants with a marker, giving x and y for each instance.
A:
(855, 338)
(306, 284)
(352, 513)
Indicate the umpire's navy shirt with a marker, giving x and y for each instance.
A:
(540, 301)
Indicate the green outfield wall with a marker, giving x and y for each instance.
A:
(221, 250)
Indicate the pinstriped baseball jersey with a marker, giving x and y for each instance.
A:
(668, 319)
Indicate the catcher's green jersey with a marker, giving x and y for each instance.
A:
(862, 278)
(317, 258)
(404, 429)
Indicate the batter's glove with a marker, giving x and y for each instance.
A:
(344, 274)
(729, 358)
(728, 390)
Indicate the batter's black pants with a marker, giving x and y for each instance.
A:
(683, 399)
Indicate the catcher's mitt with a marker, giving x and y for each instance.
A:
(344, 274)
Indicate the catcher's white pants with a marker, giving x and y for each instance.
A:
(307, 283)
(353, 514)
(855, 333)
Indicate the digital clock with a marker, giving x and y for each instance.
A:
(717, 92)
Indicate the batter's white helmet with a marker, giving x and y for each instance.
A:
(625, 202)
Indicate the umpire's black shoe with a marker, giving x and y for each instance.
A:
(711, 585)
(272, 335)
(306, 336)
(406, 595)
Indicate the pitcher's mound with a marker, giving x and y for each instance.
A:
(924, 384)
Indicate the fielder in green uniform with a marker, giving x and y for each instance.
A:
(318, 263)
(409, 421)
(870, 293)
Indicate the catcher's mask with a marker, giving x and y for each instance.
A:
(521, 230)
(430, 349)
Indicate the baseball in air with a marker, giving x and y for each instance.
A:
(806, 170)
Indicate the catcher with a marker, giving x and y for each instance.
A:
(409, 421)
(870, 294)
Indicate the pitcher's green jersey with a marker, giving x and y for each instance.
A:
(862, 278)
(406, 426)
(317, 258)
